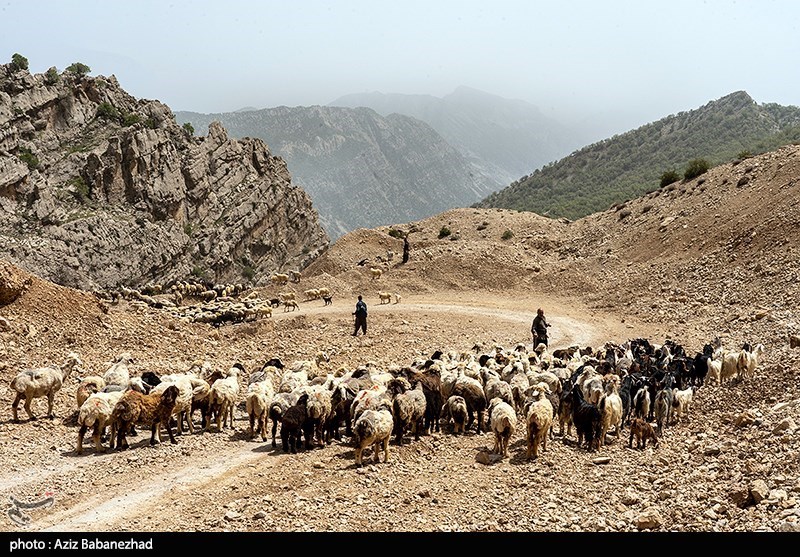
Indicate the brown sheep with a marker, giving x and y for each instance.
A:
(408, 408)
(456, 409)
(151, 410)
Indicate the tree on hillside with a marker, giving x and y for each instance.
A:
(78, 69)
(401, 235)
(19, 62)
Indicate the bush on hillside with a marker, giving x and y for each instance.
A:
(695, 168)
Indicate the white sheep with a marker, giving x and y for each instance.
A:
(257, 401)
(538, 419)
(183, 403)
(222, 398)
(375, 273)
(118, 374)
(503, 423)
(374, 428)
(41, 382)
(96, 412)
(385, 297)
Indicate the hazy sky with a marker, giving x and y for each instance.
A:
(624, 62)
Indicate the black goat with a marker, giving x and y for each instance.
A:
(294, 424)
(587, 420)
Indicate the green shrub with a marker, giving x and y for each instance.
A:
(744, 155)
(188, 229)
(107, 111)
(248, 273)
(695, 168)
(29, 158)
(130, 119)
(444, 232)
(669, 177)
(151, 123)
(395, 233)
(78, 69)
(189, 129)
(19, 62)
(51, 76)
(507, 235)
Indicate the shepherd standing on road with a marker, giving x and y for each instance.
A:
(539, 328)
(361, 316)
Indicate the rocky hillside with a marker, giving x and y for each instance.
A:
(98, 188)
(629, 165)
(503, 138)
(361, 169)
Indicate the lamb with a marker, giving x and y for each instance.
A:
(374, 428)
(681, 401)
(456, 409)
(41, 382)
(257, 403)
(643, 431)
(87, 387)
(292, 423)
(473, 394)
(96, 412)
(183, 404)
(408, 408)
(222, 397)
(538, 419)
(134, 408)
(503, 422)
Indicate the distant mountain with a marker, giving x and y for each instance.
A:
(361, 169)
(631, 164)
(504, 138)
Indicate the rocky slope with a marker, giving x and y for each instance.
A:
(98, 188)
(361, 169)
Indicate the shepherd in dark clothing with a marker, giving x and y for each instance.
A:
(539, 328)
(361, 316)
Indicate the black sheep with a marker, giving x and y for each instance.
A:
(293, 423)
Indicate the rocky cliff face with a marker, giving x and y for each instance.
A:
(98, 188)
(362, 169)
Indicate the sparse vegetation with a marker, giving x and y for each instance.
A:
(189, 129)
(507, 235)
(444, 232)
(188, 229)
(18, 62)
(744, 155)
(669, 177)
(26, 156)
(248, 272)
(695, 168)
(199, 272)
(395, 233)
(78, 69)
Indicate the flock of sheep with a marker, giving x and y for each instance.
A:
(598, 392)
